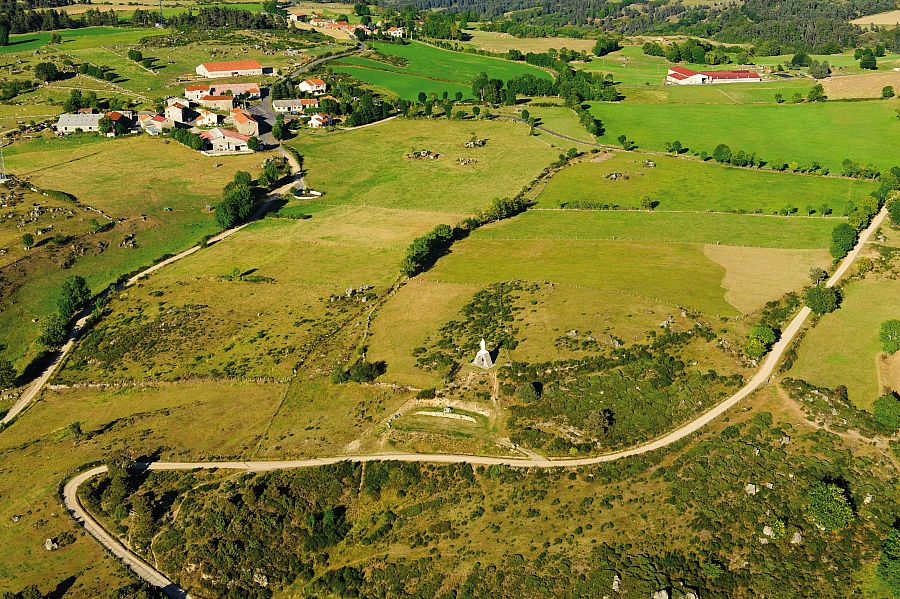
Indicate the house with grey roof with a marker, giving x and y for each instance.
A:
(72, 123)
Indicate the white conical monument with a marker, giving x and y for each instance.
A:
(483, 358)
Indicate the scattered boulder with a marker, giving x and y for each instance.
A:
(51, 545)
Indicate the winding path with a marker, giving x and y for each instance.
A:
(154, 577)
(34, 390)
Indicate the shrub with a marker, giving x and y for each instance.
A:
(886, 411)
(890, 336)
(54, 333)
(829, 506)
(821, 300)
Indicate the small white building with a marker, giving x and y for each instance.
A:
(225, 140)
(396, 31)
(179, 113)
(319, 120)
(234, 68)
(152, 124)
(295, 105)
(313, 86)
(205, 118)
(74, 122)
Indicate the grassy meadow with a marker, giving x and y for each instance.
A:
(429, 69)
(383, 176)
(824, 132)
(164, 206)
(690, 185)
(843, 348)
(667, 227)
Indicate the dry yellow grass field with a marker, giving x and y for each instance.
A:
(891, 17)
(782, 270)
(503, 42)
(868, 85)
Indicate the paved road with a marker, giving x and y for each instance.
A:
(154, 577)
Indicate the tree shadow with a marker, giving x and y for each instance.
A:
(62, 587)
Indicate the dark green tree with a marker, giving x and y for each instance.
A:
(54, 333)
(843, 238)
(46, 71)
(829, 506)
(821, 299)
(74, 295)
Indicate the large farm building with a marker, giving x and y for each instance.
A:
(683, 76)
(236, 68)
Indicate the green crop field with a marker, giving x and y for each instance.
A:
(690, 185)
(826, 132)
(446, 70)
(670, 227)
(383, 176)
(843, 347)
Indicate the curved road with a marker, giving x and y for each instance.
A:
(148, 573)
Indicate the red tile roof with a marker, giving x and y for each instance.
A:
(234, 65)
(216, 98)
(196, 88)
(731, 74)
(315, 81)
(682, 71)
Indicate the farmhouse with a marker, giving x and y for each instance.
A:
(293, 106)
(313, 86)
(206, 118)
(319, 120)
(395, 31)
(71, 123)
(248, 90)
(122, 121)
(217, 102)
(682, 76)
(225, 140)
(153, 124)
(235, 68)
(178, 112)
(244, 122)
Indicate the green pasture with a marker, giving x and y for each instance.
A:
(669, 227)
(691, 185)
(843, 347)
(734, 93)
(369, 166)
(444, 69)
(827, 132)
(163, 205)
(676, 274)
(75, 39)
(401, 85)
